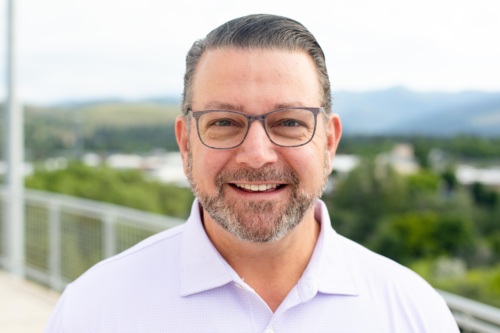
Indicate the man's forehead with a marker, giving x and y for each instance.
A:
(236, 52)
(267, 65)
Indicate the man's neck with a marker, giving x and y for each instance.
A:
(271, 269)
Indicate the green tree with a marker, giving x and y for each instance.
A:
(367, 194)
(416, 235)
(482, 196)
(128, 188)
(424, 181)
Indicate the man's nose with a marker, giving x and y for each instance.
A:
(257, 150)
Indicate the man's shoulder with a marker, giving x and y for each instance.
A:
(395, 288)
(380, 275)
(372, 267)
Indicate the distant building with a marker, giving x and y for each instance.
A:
(91, 159)
(468, 175)
(124, 161)
(401, 158)
(165, 167)
(343, 164)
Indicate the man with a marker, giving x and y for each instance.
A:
(258, 253)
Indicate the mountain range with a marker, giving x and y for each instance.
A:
(399, 111)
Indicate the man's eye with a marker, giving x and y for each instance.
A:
(222, 123)
(290, 123)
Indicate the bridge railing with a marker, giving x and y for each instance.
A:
(64, 236)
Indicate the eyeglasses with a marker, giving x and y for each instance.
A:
(288, 127)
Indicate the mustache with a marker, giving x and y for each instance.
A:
(253, 175)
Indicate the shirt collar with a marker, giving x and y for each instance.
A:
(329, 265)
(203, 268)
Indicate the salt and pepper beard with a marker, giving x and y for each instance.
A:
(259, 221)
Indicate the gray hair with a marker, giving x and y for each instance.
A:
(258, 31)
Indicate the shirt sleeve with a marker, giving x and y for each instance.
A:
(445, 318)
(435, 316)
(55, 324)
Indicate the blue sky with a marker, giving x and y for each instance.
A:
(133, 49)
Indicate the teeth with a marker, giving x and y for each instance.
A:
(257, 187)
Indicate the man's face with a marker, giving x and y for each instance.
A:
(257, 191)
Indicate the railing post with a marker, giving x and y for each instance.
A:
(109, 239)
(55, 278)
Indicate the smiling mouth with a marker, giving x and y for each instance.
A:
(259, 187)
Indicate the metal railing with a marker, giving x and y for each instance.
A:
(64, 236)
(472, 316)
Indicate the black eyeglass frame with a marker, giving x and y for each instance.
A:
(262, 118)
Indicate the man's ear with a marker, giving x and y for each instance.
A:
(334, 128)
(182, 137)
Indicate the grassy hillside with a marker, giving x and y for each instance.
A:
(128, 115)
(108, 114)
(106, 127)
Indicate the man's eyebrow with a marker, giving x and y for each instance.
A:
(222, 106)
(288, 105)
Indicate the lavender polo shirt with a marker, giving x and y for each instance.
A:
(176, 281)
